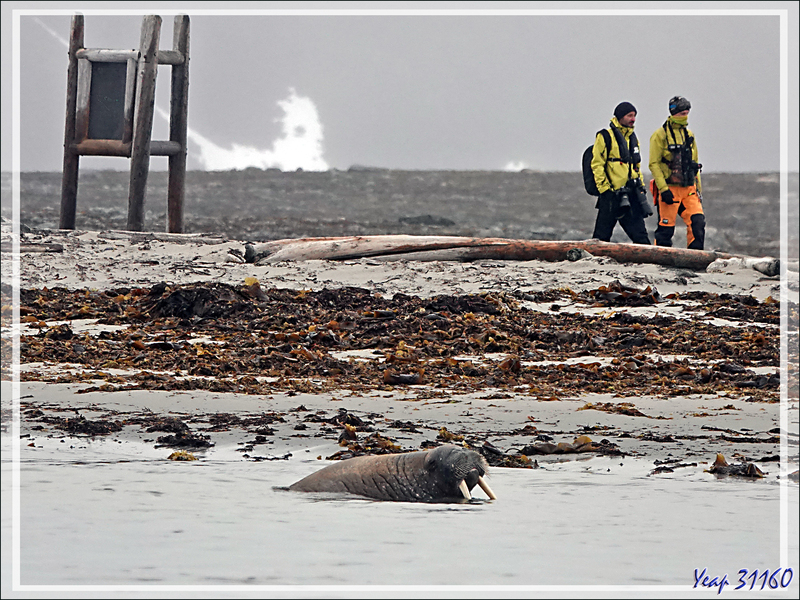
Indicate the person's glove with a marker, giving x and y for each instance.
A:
(667, 197)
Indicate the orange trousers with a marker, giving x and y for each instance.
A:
(687, 205)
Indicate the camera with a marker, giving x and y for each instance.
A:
(635, 189)
(624, 202)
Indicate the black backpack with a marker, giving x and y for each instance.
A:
(588, 176)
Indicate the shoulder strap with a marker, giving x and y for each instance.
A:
(627, 153)
(624, 149)
(668, 130)
(606, 139)
(634, 143)
(687, 139)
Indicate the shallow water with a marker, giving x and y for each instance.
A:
(112, 513)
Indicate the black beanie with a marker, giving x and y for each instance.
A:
(623, 108)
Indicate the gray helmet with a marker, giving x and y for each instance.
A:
(678, 104)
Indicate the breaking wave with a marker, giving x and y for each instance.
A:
(298, 147)
(516, 166)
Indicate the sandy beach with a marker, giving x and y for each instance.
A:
(142, 345)
(119, 262)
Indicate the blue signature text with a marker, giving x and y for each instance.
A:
(779, 578)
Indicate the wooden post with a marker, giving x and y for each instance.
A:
(178, 124)
(130, 96)
(69, 175)
(97, 102)
(143, 125)
(82, 101)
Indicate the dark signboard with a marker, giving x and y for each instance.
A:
(107, 101)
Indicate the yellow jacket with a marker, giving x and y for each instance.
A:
(659, 153)
(609, 172)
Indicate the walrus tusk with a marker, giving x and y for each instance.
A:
(464, 489)
(485, 487)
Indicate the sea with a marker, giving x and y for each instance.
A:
(743, 210)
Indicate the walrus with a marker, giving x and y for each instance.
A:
(446, 474)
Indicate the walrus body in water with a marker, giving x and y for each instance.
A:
(445, 474)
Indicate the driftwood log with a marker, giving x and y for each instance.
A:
(33, 247)
(410, 247)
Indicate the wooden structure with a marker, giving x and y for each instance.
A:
(110, 105)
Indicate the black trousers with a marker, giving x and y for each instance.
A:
(631, 219)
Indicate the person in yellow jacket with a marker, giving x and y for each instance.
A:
(615, 167)
(676, 185)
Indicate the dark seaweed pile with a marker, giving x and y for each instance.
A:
(290, 336)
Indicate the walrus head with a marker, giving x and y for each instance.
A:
(459, 468)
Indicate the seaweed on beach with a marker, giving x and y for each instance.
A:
(257, 340)
(620, 408)
(83, 426)
(617, 294)
(581, 444)
(721, 467)
(218, 337)
(184, 440)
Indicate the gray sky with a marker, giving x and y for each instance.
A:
(448, 91)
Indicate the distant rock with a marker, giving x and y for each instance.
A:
(427, 220)
(365, 168)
